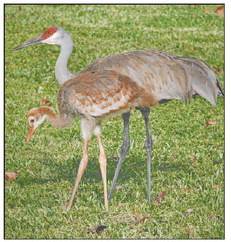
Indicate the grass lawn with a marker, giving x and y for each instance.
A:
(187, 163)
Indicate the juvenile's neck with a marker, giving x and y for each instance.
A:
(58, 121)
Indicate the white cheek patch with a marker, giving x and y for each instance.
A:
(40, 121)
(36, 123)
(52, 40)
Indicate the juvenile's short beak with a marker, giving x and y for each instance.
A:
(34, 41)
(30, 133)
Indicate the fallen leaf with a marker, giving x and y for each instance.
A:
(92, 229)
(190, 210)
(140, 218)
(209, 122)
(191, 230)
(220, 10)
(159, 197)
(206, 10)
(214, 216)
(221, 13)
(11, 175)
(115, 11)
(119, 187)
(45, 102)
(97, 229)
(157, 202)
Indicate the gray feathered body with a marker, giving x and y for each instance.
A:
(165, 75)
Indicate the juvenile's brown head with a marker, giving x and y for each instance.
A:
(36, 117)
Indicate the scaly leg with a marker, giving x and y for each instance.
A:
(82, 167)
(148, 144)
(103, 168)
(124, 149)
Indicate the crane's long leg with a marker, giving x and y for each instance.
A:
(103, 168)
(148, 144)
(82, 167)
(124, 149)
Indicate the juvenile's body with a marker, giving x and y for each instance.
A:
(92, 96)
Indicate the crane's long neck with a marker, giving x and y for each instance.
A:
(58, 121)
(61, 71)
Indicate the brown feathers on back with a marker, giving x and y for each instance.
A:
(102, 93)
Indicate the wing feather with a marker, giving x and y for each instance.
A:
(167, 76)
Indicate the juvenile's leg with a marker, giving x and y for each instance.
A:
(103, 168)
(82, 167)
(87, 127)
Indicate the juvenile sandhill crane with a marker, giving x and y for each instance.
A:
(165, 75)
(93, 96)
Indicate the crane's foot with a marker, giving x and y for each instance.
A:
(68, 207)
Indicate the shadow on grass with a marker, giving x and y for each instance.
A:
(133, 168)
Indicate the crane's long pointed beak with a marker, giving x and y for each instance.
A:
(30, 133)
(35, 41)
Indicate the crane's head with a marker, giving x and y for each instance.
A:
(36, 116)
(52, 36)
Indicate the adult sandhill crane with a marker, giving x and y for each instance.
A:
(93, 96)
(165, 75)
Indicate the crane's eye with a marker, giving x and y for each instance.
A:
(49, 32)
